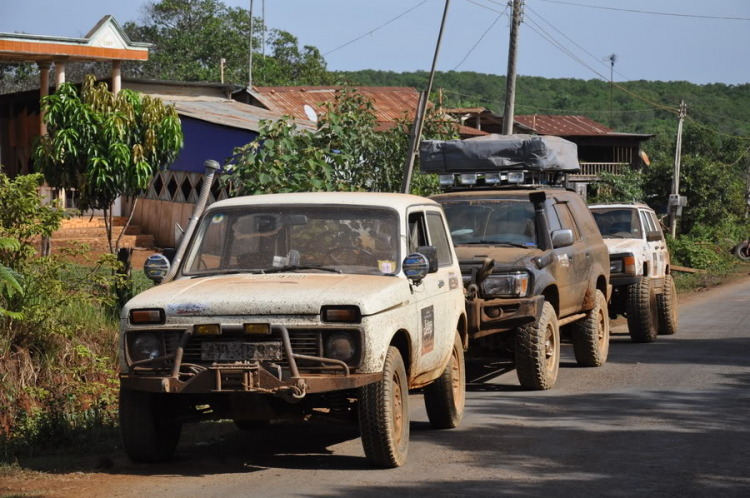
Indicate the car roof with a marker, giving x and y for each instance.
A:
(622, 205)
(374, 199)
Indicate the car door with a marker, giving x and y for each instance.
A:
(653, 246)
(659, 247)
(448, 290)
(578, 262)
(426, 296)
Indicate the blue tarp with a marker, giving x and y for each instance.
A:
(205, 140)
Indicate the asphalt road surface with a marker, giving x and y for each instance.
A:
(671, 418)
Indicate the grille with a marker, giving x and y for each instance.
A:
(307, 342)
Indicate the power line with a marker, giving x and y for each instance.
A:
(598, 59)
(375, 29)
(480, 39)
(674, 14)
(485, 7)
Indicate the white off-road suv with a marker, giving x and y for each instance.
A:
(643, 289)
(296, 307)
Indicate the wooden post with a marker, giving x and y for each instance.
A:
(510, 88)
(676, 176)
(116, 77)
(43, 92)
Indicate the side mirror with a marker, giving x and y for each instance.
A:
(654, 236)
(430, 253)
(562, 238)
(156, 267)
(416, 266)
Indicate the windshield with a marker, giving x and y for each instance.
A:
(491, 221)
(296, 238)
(618, 223)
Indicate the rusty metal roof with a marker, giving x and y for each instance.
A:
(390, 103)
(229, 113)
(563, 125)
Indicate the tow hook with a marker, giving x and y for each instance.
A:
(294, 394)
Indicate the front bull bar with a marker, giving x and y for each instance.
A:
(297, 387)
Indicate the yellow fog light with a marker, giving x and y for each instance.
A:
(205, 329)
(257, 328)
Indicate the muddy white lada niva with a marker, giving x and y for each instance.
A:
(297, 307)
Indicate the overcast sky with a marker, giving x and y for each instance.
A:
(651, 47)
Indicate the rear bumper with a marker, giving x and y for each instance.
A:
(489, 316)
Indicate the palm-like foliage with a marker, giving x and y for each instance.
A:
(9, 279)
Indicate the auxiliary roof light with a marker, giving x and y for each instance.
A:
(468, 178)
(446, 180)
(515, 176)
(492, 178)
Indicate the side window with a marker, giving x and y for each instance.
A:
(439, 238)
(648, 223)
(417, 231)
(552, 219)
(566, 220)
(656, 224)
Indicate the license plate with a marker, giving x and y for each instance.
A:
(240, 351)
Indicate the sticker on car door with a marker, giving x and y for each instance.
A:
(428, 329)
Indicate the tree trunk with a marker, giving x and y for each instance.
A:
(130, 218)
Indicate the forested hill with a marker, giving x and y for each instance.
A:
(717, 106)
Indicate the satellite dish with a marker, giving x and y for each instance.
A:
(310, 113)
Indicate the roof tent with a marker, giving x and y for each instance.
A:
(494, 153)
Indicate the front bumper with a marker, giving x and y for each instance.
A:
(619, 280)
(169, 374)
(489, 316)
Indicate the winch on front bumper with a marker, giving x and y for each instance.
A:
(175, 372)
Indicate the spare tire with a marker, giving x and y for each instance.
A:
(742, 251)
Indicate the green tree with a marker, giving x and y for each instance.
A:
(105, 145)
(9, 285)
(190, 38)
(344, 153)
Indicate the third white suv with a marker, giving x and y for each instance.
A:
(643, 289)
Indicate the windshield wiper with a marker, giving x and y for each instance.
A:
(254, 271)
(280, 269)
(495, 242)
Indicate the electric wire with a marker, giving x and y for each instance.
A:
(485, 7)
(635, 11)
(481, 38)
(527, 7)
(375, 29)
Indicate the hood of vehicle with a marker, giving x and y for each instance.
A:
(275, 294)
(504, 256)
(616, 246)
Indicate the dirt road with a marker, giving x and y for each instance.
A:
(670, 418)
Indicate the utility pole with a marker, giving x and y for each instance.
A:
(674, 199)
(612, 59)
(510, 90)
(250, 55)
(416, 132)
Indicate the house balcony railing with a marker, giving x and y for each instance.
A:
(594, 169)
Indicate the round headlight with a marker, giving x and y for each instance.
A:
(145, 347)
(340, 346)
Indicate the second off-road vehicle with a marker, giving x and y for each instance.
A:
(531, 256)
(643, 288)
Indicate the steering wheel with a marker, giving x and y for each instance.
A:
(360, 251)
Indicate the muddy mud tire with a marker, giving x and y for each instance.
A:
(537, 351)
(445, 398)
(667, 304)
(148, 425)
(642, 311)
(591, 335)
(384, 414)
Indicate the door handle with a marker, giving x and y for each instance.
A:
(440, 284)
